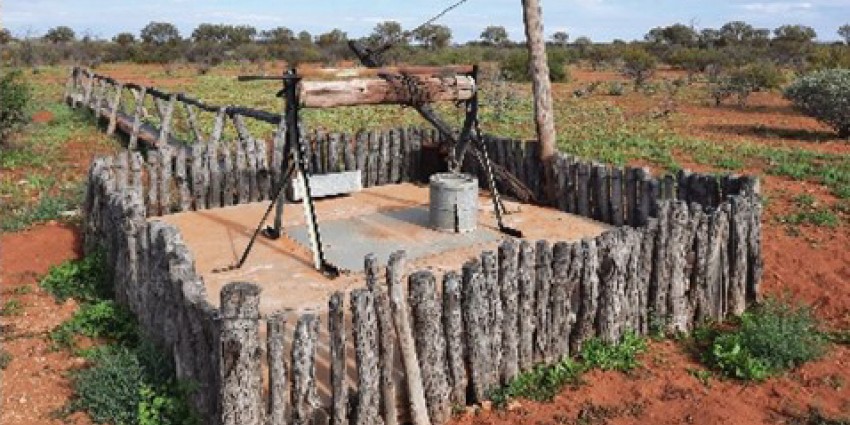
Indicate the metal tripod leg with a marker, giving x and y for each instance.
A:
(276, 230)
(319, 261)
(277, 196)
(498, 207)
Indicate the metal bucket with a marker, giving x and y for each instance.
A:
(454, 202)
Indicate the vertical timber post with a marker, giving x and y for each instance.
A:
(542, 88)
(241, 381)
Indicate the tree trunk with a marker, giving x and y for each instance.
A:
(542, 88)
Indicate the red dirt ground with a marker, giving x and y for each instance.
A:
(35, 383)
(42, 117)
(814, 267)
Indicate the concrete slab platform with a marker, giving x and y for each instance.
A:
(347, 241)
(380, 220)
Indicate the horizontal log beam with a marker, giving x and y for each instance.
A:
(395, 90)
(422, 71)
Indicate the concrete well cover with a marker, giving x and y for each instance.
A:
(347, 241)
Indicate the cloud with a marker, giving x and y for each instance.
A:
(780, 8)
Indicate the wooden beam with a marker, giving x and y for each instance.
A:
(329, 94)
(422, 71)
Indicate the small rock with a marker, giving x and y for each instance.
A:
(486, 406)
(514, 405)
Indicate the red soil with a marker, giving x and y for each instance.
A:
(35, 383)
(42, 117)
(664, 392)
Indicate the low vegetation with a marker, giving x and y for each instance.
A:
(809, 211)
(129, 380)
(824, 95)
(14, 104)
(771, 338)
(814, 416)
(38, 180)
(543, 382)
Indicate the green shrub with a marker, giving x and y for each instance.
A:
(102, 319)
(824, 95)
(745, 80)
(543, 382)
(515, 66)
(616, 88)
(638, 64)
(620, 357)
(772, 338)
(129, 381)
(106, 389)
(5, 358)
(131, 386)
(84, 279)
(14, 102)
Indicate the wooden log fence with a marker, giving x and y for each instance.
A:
(684, 249)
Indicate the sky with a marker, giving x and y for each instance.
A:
(601, 20)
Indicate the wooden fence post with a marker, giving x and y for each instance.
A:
(589, 298)
(401, 318)
(241, 381)
(453, 328)
(738, 247)
(527, 284)
(339, 388)
(181, 178)
(278, 402)
(113, 113)
(366, 349)
(167, 117)
(601, 194)
(490, 267)
(137, 118)
(386, 331)
(304, 345)
(617, 213)
(430, 344)
(679, 245)
(754, 254)
(559, 305)
(476, 321)
(509, 285)
(543, 276)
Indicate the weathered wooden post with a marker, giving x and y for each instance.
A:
(387, 340)
(366, 349)
(509, 294)
(304, 345)
(241, 381)
(339, 387)
(278, 403)
(476, 320)
(430, 344)
(542, 87)
(401, 318)
(453, 328)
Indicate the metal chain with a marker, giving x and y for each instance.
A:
(439, 15)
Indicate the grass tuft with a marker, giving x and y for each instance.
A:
(621, 357)
(543, 382)
(84, 280)
(814, 416)
(99, 320)
(5, 359)
(774, 337)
